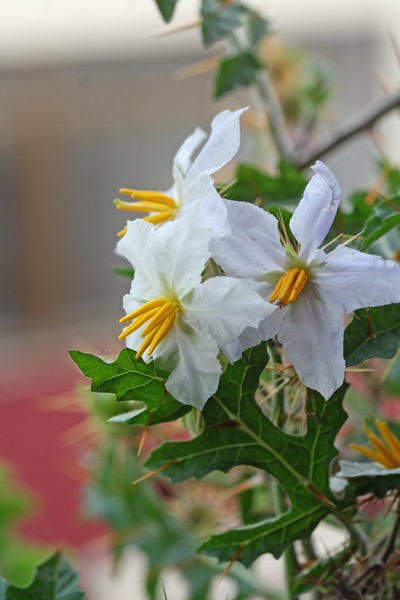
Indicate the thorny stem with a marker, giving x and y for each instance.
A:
(289, 555)
(392, 539)
(354, 126)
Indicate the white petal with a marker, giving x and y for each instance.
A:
(314, 215)
(210, 203)
(180, 250)
(136, 247)
(365, 469)
(253, 248)
(312, 335)
(224, 307)
(220, 147)
(183, 158)
(251, 337)
(357, 280)
(196, 371)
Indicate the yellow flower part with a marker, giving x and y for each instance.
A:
(386, 452)
(164, 207)
(289, 287)
(160, 317)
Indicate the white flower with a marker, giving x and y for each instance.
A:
(177, 319)
(221, 146)
(313, 289)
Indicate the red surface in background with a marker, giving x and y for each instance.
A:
(31, 439)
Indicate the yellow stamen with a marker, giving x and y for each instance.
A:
(144, 309)
(388, 456)
(159, 314)
(289, 287)
(122, 232)
(159, 218)
(140, 206)
(149, 196)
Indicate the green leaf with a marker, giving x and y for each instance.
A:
(166, 8)
(257, 27)
(234, 72)
(372, 332)
(385, 217)
(132, 379)
(219, 19)
(238, 433)
(124, 271)
(54, 580)
(252, 184)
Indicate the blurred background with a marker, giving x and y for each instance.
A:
(96, 95)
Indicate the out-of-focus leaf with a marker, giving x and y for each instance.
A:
(236, 433)
(132, 379)
(236, 71)
(166, 8)
(372, 332)
(257, 28)
(386, 216)
(251, 184)
(127, 272)
(54, 580)
(219, 19)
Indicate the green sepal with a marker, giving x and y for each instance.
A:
(372, 332)
(129, 378)
(54, 580)
(238, 433)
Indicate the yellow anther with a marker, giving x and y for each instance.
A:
(149, 196)
(389, 455)
(164, 207)
(159, 314)
(289, 287)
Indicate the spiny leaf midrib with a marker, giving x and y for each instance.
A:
(277, 525)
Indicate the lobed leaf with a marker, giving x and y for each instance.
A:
(299, 463)
(386, 216)
(131, 379)
(372, 332)
(54, 580)
(219, 19)
(236, 71)
(166, 8)
(251, 184)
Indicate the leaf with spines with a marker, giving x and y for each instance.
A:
(372, 332)
(54, 580)
(132, 379)
(238, 433)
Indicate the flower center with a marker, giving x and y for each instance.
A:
(289, 287)
(159, 314)
(164, 207)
